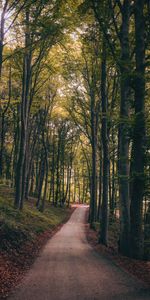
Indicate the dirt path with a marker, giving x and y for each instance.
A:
(69, 269)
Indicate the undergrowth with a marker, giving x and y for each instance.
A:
(17, 227)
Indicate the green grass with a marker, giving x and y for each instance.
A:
(17, 227)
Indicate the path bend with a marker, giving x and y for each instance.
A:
(69, 269)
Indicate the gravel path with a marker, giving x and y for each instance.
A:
(69, 269)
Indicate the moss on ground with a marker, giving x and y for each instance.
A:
(17, 227)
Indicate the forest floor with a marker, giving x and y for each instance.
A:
(23, 235)
(138, 268)
(69, 268)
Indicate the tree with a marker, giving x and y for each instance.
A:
(104, 210)
(74, 122)
(32, 58)
(138, 164)
(123, 63)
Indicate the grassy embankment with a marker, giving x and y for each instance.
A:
(17, 227)
(22, 234)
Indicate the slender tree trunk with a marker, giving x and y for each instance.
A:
(30, 162)
(93, 186)
(83, 188)
(93, 202)
(63, 179)
(37, 174)
(53, 172)
(69, 186)
(123, 132)
(24, 179)
(57, 173)
(2, 127)
(16, 146)
(104, 208)
(46, 184)
(112, 200)
(24, 119)
(28, 177)
(19, 168)
(41, 179)
(75, 186)
(31, 188)
(100, 188)
(45, 146)
(2, 140)
(2, 29)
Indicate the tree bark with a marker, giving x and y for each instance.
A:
(93, 203)
(24, 118)
(46, 181)
(58, 171)
(2, 130)
(138, 135)
(124, 132)
(2, 28)
(104, 208)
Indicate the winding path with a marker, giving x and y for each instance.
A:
(69, 269)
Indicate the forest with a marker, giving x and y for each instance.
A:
(75, 111)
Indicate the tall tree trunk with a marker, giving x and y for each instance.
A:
(75, 186)
(30, 163)
(16, 146)
(139, 134)
(37, 173)
(104, 208)
(112, 199)
(45, 146)
(58, 172)
(93, 202)
(41, 179)
(69, 186)
(53, 171)
(2, 139)
(19, 168)
(123, 132)
(100, 188)
(46, 184)
(2, 127)
(2, 29)
(24, 118)
(31, 188)
(63, 180)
